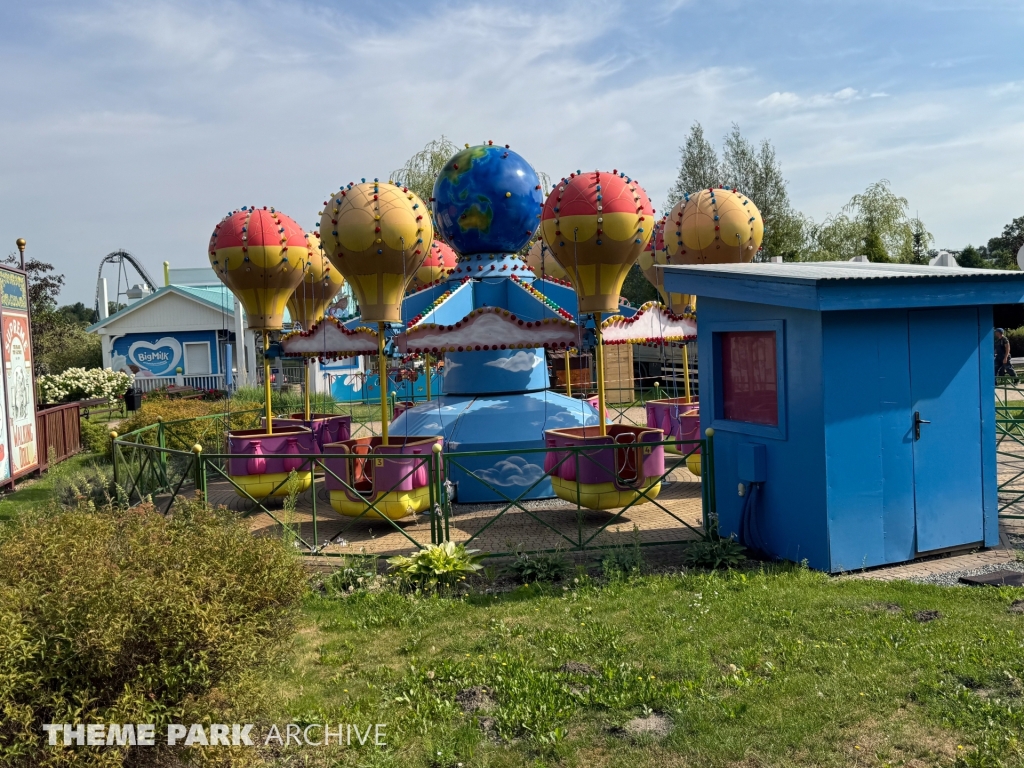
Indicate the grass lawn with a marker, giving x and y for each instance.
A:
(38, 491)
(783, 667)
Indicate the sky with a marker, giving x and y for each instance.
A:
(139, 125)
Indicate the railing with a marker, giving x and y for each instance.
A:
(58, 434)
(149, 383)
(157, 463)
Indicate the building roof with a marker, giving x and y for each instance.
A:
(214, 297)
(834, 285)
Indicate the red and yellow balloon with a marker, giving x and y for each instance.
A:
(261, 256)
(596, 225)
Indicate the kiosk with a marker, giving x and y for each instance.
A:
(852, 406)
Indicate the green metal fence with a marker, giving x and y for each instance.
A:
(170, 459)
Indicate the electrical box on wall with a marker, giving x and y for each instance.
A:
(751, 462)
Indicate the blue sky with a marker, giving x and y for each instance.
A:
(138, 125)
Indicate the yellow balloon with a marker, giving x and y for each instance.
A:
(377, 235)
(318, 288)
(542, 262)
(713, 226)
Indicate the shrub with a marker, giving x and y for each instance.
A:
(1016, 337)
(437, 566)
(541, 567)
(95, 436)
(90, 485)
(714, 552)
(355, 571)
(83, 384)
(209, 433)
(130, 617)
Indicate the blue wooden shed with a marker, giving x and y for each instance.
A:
(852, 404)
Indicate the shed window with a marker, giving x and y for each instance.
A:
(750, 389)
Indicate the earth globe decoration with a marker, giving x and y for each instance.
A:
(487, 199)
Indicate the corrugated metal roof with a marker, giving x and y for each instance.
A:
(817, 271)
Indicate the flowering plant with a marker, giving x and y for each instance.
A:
(83, 384)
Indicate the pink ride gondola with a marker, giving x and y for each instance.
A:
(326, 427)
(394, 477)
(679, 420)
(613, 472)
(261, 462)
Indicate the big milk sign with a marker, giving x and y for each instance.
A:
(18, 438)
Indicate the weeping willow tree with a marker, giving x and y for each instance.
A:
(876, 224)
(420, 171)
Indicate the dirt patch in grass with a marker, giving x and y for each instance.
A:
(653, 726)
(1017, 607)
(923, 617)
(475, 699)
(578, 668)
(902, 742)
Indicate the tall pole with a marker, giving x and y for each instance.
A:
(20, 242)
(426, 360)
(568, 376)
(600, 374)
(306, 387)
(686, 370)
(266, 381)
(382, 365)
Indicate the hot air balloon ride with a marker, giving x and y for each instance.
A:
(378, 235)
(596, 225)
(711, 226)
(543, 264)
(439, 262)
(307, 307)
(261, 255)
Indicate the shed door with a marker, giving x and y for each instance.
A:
(945, 384)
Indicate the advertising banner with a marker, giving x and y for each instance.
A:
(16, 337)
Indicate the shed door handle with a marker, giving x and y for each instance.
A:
(918, 421)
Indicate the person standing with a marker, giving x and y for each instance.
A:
(1003, 366)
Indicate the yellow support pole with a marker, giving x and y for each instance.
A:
(306, 389)
(600, 374)
(686, 369)
(568, 376)
(426, 364)
(266, 381)
(382, 365)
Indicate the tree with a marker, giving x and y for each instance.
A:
(1003, 249)
(420, 171)
(754, 171)
(874, 224)
(637, 289)
(78, 313)
(758, 175)
(922, 239)
(970, 257)
(698, 166)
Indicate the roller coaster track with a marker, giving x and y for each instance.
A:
(120, 257)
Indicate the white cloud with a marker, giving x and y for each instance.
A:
(517, 363)
(515, 471)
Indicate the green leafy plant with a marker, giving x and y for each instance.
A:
(713, 553)
(356, 572)
(95, 436)
(437, 566)
(93, 484)
(540, 567)
(624, 561)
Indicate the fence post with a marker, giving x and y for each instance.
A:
(115, 451)
(200, 471)
(436, 492)
(161, 442)
(710, 434)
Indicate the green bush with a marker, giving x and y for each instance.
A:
(714, 552)
(437, 566)
(208, 433)
(95, 436)
(541, 567)
(92, 484)
(131, 617)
